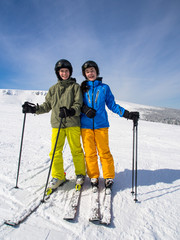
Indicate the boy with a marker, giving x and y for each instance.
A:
(65, 100)
(94, 123)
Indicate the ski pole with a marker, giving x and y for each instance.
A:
(19, 162)
(52, 160)
(134, 155)
(133, 161)
(135, 199)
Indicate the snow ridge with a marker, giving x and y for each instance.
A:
(147, 113)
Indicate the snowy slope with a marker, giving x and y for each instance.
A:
(155, 216)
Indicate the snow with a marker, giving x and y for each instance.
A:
(156, 215)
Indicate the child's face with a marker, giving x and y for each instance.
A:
(64, 73)
(91, 74)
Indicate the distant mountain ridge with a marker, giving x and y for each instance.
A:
(147, 113)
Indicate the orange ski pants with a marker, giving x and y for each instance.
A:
(97, 141)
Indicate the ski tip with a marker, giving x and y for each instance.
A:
(11, 223)
(95, 221)
(68, 219)
(105, 223)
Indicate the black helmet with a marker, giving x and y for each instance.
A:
(90, 64)
(63, 63)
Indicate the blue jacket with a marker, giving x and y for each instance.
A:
(98, 96)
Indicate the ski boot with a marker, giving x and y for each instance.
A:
(79, 181)
(54, 184)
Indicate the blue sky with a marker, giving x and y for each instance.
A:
(136, 44)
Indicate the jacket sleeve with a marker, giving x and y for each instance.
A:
(111, 104)
(78, 100)
(46, 106)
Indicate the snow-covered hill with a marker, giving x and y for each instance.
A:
(147, 113)
(155, 216)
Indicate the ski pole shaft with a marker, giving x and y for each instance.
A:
(135, 199)
(52, 160)
(134, 158)
(20, 152)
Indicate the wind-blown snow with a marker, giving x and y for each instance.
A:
(155, 216)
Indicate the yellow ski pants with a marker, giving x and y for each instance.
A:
(73, 136)
(93, 141)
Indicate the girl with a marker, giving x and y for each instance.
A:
(94, 123)
(65, 100)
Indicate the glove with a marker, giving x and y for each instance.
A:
(90, 112)
(131, 115)
(64, 112)
(28, 107)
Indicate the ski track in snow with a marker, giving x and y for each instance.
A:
(156, 215)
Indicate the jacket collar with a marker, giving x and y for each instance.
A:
(67, 82)
(94, 83)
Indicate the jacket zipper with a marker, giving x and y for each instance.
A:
(97, 94)
(88, 97)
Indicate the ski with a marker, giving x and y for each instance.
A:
(94, 211)
(71, 209)
(106, 208)
(17, 220)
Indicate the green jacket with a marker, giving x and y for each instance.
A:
(65, 93)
